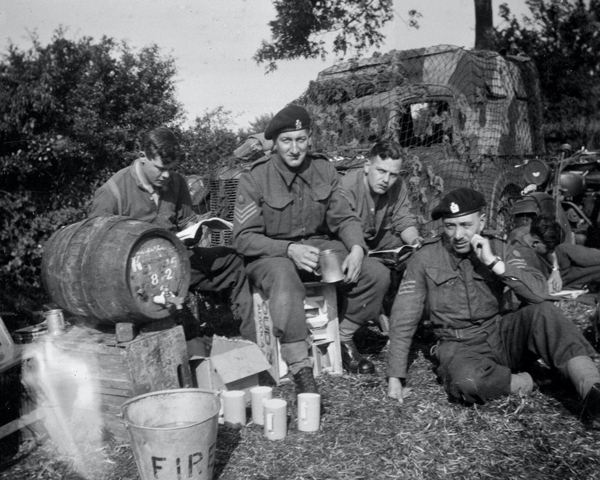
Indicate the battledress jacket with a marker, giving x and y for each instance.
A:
(382, 223)
(276, 206)
(461, 294)
(124, 194)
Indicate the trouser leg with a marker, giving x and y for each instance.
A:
(578, 265)
(542, 330)
(362, 301)
(474, 374)
(478, 371)
(216, 268)
(295, 355)
(576, 276)
(220, 268)
(396, 271)
(243, 307)
(471, 371)
(278, 279)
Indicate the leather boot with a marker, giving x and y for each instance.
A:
(353, 361)
(590, 415)
(305, 381)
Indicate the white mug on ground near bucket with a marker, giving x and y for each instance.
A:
(259, 395)
(173, 433)
(309, 412)
(234, 407)
(330, 266)
(275, 419)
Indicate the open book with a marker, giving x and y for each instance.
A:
(194, 232)
(392, 252)
(569, 294)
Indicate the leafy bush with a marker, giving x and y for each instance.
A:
(208, 144)
(71, 114)
(562, 39)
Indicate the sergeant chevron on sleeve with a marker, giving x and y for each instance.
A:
(481, 349)
(289, 208)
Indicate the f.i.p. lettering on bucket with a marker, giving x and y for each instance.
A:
(173, 433)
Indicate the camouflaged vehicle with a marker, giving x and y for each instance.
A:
(466, 119)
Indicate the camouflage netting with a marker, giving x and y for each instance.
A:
(465, 118)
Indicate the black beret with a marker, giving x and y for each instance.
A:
(290, 119)
(459, 202)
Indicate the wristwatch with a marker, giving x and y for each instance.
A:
(493, 264)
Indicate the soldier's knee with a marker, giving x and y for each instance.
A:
(377, 273)
(547, 314)
(282, 272)
(474, 383)
(462, 381)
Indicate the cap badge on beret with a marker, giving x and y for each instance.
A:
(459, 202)
(291, 118)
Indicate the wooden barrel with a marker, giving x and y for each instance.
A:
(111, 269)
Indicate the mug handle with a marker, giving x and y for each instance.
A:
(269, 421)
(304, 412)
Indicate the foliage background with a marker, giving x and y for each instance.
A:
(71, 113)
(563, 39)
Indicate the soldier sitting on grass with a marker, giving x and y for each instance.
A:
(481, 351)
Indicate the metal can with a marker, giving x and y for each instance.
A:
(330, 266)
(55, 321)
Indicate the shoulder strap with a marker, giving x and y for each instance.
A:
(115, 191)
(262, 198)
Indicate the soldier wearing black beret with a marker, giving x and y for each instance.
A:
(480, 350)
(291, 119)
(459, 202)
(288, 209)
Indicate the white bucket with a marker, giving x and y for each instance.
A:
(173, 433)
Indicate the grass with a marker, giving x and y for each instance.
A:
(364, 435)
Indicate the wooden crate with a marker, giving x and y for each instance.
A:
(151, 362)
(320, 306)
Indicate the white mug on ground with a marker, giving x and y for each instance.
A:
(309, 412)
(259, 395)
(275, 419)
(234, 407)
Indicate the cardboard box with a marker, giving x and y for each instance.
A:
(231, 365)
